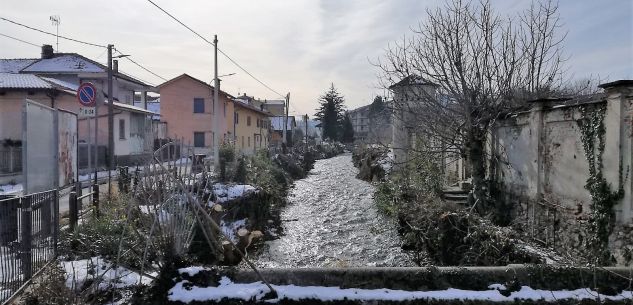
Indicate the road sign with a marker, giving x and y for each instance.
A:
(87, 94)
(86, 111)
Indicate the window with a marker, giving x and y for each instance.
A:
(121, 129)
(242, 141)
(257, 122)
(237, 118)
(198, 139)
(198, 105)
(249, 141)
(248, 120)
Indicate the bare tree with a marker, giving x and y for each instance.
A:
(480, 66)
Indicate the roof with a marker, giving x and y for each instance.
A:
(239, 103)
(130, 108)
(73, 63)
(617, 83)
(275, 102)
(277, 122)
(23, 81)
(153, 106)
(185, 75)
(61, 83)
(65, 63)
(15, 65)
(413, 80)
(359, 109)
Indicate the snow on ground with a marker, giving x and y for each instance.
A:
(230, 192)
(80, 271)
(228, 289)
(11, 189)
(387, 161)
(192, 271)
(230, 228)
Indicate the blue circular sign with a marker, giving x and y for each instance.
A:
(87, 94)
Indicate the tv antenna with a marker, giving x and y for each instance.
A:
(55, 20)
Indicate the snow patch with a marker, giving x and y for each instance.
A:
(249, 291)
(80, 271)
(230, 228)
(192, 271)
(226, 193)
(11, 189)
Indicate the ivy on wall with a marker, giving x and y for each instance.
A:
(603, 198)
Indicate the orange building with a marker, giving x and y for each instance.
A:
(187, 108)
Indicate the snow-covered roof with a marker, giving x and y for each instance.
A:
(22, 81)
(66, 63)
(15, 65)
(61, 83)
(131, 108)
(277, 122)
(153, 106)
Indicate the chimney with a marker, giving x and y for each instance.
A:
(115, 66)
(47, 51)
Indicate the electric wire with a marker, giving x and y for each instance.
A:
(219, 50)
(20, 40)
(53, 34)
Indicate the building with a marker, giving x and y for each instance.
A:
(360, 122)
(277, 125)
(53, 79)
(275, 107)
(186, 106)
(251, 127)
(408, 95)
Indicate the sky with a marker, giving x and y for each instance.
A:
(296, 46)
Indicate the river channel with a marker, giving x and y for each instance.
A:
(331, 221)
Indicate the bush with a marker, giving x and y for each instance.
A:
(227, 156)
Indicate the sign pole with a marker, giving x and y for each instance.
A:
(87, 98)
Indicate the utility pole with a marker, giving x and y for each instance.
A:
(285, 142)
(305, 120)
(216, 116)
(110, 120)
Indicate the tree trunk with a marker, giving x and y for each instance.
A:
(476, 157)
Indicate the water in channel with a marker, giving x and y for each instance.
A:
(331, 221)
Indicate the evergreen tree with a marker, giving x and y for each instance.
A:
(348, 129)
(330, 113)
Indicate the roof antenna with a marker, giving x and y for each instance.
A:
(55, 20)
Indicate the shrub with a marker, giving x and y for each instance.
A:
(227, 156)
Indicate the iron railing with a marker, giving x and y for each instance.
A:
(29, 230)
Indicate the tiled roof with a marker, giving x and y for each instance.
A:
(14, 65)
(22, 81)
(67, 63)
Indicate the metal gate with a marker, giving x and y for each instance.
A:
(29, 230)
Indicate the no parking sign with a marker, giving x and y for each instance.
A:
(87, 96)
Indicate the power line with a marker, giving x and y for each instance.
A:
(20, 40)
(219, 50)
(53, 34)
(141, 66)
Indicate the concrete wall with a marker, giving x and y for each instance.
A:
(542, 163)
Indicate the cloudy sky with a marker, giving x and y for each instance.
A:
(296, 46)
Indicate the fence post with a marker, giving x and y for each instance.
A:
(25, 233)
(74, 210)
(95, 199)
(55, 221)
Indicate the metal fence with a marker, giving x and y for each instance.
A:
(29, 229)
(10, 160)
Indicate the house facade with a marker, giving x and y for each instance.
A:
(186, 106)
(53, 79)
(277, 127)
(251, 127)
